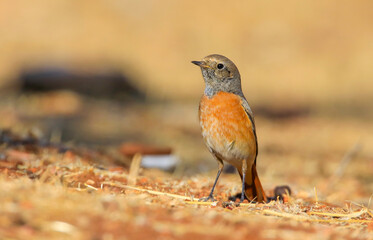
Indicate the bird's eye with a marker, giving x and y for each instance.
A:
(220, 66)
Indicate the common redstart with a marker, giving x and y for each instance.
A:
(227, 124)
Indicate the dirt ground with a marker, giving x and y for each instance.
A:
(63, 175)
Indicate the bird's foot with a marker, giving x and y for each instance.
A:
(235, 198)
(207, 199)
(243, 197)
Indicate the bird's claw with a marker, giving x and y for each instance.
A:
(207, 199)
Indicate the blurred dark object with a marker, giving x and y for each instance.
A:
(281, 192)
(108, 84)
(30, 141)
(12, 139)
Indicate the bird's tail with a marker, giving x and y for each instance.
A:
(253, 188)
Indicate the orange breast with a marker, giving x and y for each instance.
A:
(226, 128)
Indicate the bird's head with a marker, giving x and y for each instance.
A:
(220, 74)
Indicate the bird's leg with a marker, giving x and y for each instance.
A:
(244, 169)
(211, 197)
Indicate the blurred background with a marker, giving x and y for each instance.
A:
(105, 73)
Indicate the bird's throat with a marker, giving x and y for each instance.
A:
(209, 90)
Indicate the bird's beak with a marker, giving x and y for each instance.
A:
(201, 64)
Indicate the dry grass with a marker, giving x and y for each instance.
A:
(51, 195)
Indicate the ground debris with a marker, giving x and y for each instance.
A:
(78, 194)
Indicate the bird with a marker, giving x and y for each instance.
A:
(227, 125)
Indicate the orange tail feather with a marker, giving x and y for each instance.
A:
(253, 188)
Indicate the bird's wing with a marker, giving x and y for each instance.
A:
(250, 114)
